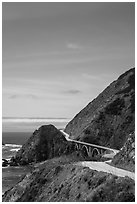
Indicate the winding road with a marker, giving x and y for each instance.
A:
(102, 166)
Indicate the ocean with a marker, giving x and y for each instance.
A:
(15, 132)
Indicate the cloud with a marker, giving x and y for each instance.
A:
(72, 91)
(73, 46)
(99, 77)
(29, 96)
(89, 76)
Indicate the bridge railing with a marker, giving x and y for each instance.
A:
(89, 144)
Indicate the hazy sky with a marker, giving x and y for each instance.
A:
(57, 57)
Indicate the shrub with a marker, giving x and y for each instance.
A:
(115, 107)
(87, 132)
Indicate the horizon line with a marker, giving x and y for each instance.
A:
(10, 117)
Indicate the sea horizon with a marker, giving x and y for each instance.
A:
(38, 117)
(30, 124)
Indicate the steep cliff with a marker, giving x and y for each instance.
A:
(109, 117)
(126, 157)
(45, 143)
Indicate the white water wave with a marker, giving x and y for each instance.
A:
(13, 150)
(13, 145)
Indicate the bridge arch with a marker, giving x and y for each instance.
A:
(77, 146)
(85, 150)
(95, 152)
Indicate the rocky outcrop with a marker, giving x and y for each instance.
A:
(45, 143)
(126, 157)
(5, 162)
(59, 180)
(110, 117)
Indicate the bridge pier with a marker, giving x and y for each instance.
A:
(90, 151)
(102, 151)
(95, 152)
(85, 151)
(77, 147)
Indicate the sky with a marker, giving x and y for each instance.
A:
(57, 57)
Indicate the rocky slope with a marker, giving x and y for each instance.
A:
(109, 117)
(126, 157)
(60, 180)
(45, 143)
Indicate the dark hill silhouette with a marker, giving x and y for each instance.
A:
(45, 143)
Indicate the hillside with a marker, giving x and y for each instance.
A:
(62, 180)
(126, 157)
(110, 117)
(45, 143)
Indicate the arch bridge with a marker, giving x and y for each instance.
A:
(90, 150)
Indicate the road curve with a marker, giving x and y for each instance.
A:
(102, 166)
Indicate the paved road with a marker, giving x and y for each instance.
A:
(85, 143)
(102, 166)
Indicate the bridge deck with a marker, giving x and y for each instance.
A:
(88, 144)
(98, 146)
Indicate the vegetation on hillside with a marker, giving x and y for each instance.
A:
(61, 180)
(110, 117)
